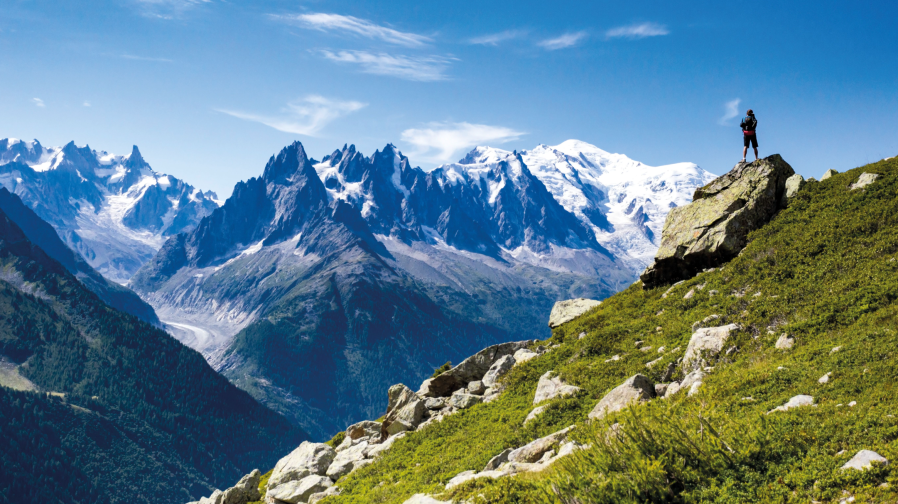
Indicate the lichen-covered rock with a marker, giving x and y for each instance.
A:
(714, 228)
(793, 185)
(306, 460)
(565, 311)
(462, 401)
(636, 389)
(498, 369)
(404, 411)
(365, 428)
(706, 343)
(294, 492)
(471, 369)
(550, 387)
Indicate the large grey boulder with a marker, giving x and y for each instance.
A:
(365, 428)
(404, 410)
(864, 459)
(498, 369)
(706, 344)
(550, 387)
(471, 369)
(565, 311)
(306, 460)
(636, 389)
(498, 460)
(246, 490)
(345, 461)
(294, 492)
(864, 180)
(714, 228)
(463, 401)
(793, 185)
(332, 490)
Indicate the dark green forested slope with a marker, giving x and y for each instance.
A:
(825, 271)
(143, 418)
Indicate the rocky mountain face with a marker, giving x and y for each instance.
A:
(113, 210)
(107, 401)
(43, 235)
(319, 284)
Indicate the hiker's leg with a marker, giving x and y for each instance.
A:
(744, 151)
(756, 154)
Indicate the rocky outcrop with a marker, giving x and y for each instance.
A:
(864, 459)
(294, 492)
(550, 387)
(864, 180)
(306, 460)
(535, 456)
(404, 411)
(565, 311)
(705, 345)
(636, 389)
(246, 490)
(471, 369)
(498, 369)
(714, 228)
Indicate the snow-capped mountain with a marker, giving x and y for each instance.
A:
(114, 210)
(319, 276)
(624, 202)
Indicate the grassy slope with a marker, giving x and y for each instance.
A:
(827, 273)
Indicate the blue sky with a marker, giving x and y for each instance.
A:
(209, 89)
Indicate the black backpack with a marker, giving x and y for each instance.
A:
(749, 123)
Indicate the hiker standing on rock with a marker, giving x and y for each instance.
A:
(749, 124)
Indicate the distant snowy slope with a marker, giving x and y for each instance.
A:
(114, 210)
(624, 202)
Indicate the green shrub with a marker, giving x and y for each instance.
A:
(442, 369)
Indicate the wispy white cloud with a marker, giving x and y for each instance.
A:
(566, 40)
(85, 104)
(731, 110)
(414, 68)
(166, 9)
(38, 102)
(495, 38)
(439, 142)
(306, 116)
(638, 31)
(349, 24)
(145, 58)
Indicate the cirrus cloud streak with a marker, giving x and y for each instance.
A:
(439, 142)
(336, 23)
(307, 116)
(414, 68)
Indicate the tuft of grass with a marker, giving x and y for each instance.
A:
(442, 369)
(336, 440)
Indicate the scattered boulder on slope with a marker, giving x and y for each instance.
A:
(534, 450)
(404, 411)
(306, 460)
(795, 402)
(550, 387)
(636, 389)
(294, 492)
(864, 459)
(246, 490)
(864, 180)
(793, 185)
(498, 369)
(424, 499)
(565, 311)
(784, 342)
(706, 343)
(714, 228)
(471, 369)
(828, 173)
